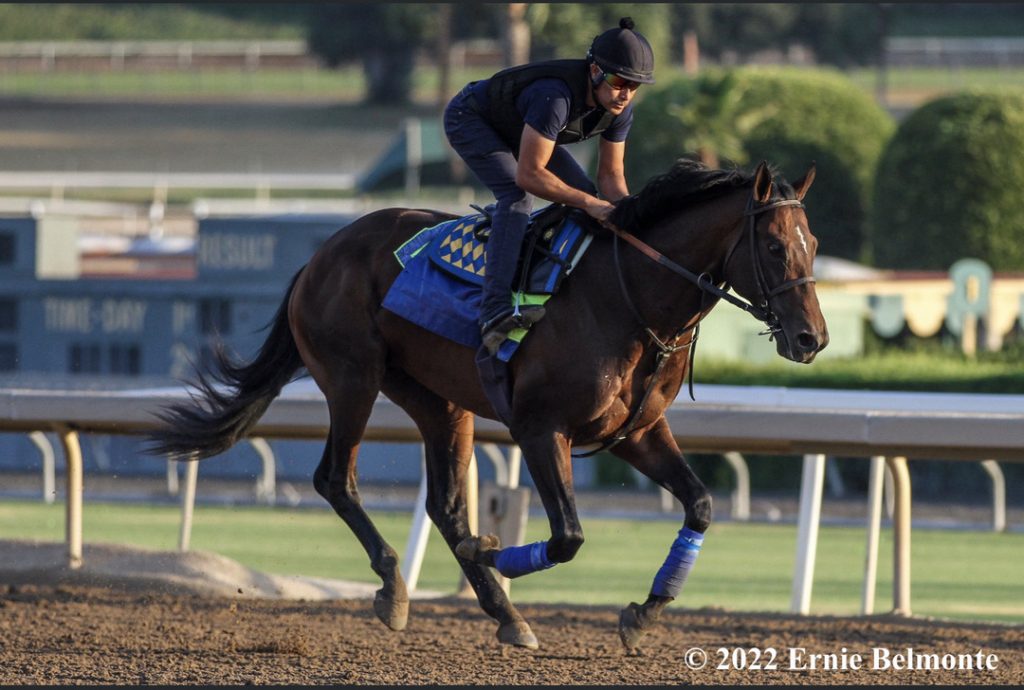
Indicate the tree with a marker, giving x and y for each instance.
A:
(788, 117)
(842, 34)
(714, 121)
(515, 37)
(383, 36)
(949, 185)
(566, 30)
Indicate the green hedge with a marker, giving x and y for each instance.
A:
(951, 185)
(141, 21)
(788, 117)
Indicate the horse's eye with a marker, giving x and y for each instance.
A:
(775, 248)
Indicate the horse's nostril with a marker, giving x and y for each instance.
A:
(807, 342)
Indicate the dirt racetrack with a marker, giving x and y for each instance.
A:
(79, 634)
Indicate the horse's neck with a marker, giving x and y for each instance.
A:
(697, 239)
(704, 233)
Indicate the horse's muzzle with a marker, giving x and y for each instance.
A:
(806, 345)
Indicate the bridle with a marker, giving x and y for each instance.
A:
(762, 310)
(763, 307)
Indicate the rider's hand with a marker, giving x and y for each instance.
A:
(599, 209)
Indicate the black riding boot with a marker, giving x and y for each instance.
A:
(502, 254)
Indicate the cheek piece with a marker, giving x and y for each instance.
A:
(513, 561)
(673, 573)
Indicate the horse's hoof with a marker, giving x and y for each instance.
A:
(473, 548)
(517, 634)
(392, 612)
(630, 628)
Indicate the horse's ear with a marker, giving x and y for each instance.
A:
(804, 183)
(762, 183)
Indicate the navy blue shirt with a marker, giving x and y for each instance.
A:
(544, 105)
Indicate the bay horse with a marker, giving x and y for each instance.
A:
(604, 363)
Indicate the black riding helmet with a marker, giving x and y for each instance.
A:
(625, 52)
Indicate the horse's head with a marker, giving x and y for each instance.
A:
(771, 265)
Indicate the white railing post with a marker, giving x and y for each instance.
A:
(172, 477)
(188, 504)
(266, 484)
(741, 494)
(49, 465)
(811, 486)
(995, 473)
(419, 532)
(875, 479)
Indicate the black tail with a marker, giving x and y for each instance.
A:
(231, 397)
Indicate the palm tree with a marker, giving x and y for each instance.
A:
(713, 120)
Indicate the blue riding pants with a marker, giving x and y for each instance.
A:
(494, 163)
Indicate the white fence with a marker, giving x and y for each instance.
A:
(47, 56)
(885, 427)
(955, 51)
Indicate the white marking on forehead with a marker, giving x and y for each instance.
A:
(800, 236)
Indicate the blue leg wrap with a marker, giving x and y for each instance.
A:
(681, 557)
(513, 561)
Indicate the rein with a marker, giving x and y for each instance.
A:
(761, 311)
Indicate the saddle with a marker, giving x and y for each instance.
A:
(549, 249)
(440, 286)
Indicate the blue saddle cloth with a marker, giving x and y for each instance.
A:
(440, 286)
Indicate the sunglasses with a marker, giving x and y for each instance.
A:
(617, 82)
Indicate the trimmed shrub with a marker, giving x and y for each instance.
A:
(787, 117)
(949, 185)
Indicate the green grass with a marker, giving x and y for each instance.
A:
(940, 79)
(892, 370)
(136, 21)
(348, 84)
(344, 85)
(962, 575)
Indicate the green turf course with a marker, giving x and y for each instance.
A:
(348, 84)
(956, 574)
(344, 85)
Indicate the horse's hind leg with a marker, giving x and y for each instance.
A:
(448, 441)
(335, 479)
(654, 453)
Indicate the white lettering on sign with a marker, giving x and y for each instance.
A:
(86, 316)
(183, 317)
(232, 251)
(181, 361)
(123, 315)
(67, 315)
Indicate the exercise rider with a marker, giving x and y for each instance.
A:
(511, 131)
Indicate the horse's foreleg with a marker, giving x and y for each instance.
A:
(548, 459)
(448, 441)
(654, 453)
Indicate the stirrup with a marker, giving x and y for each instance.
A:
(496, 331)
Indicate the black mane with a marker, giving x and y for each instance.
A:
(686, 183)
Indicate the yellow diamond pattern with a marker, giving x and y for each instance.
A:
(462, 250)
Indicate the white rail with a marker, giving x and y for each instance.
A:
(894, 426)
(63, 180)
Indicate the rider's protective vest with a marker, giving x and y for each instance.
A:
(504, 88)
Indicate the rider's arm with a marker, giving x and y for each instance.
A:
(611, 169)
(533, 176)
